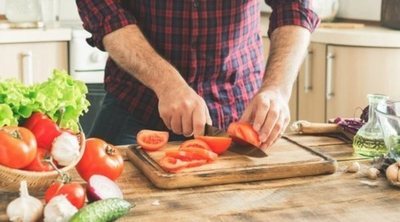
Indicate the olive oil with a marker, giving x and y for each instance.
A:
(368, 146)
(369, 138)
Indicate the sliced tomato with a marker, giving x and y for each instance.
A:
(195, 143)
(243, 133)
(152, 140)
(183, 155)
(171, 164)
(217, 144)
(200, 153)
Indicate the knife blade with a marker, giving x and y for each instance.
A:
(247, 149)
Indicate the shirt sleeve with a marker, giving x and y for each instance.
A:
(101, 17)
(292, 12)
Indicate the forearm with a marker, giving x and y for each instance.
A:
(129, 49)
(287, 51)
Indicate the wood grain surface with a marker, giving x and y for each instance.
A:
(285, 159)
(336, 197)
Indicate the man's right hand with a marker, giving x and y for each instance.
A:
(183, 111)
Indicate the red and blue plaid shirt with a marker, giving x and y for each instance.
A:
(216, 46)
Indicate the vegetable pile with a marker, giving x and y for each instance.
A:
(61, 98)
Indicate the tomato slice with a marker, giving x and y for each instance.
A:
(195, 143)
(183, 155)
(171, 164)
(217, 144)
(152, 140)
(243, 133)
(200, 153)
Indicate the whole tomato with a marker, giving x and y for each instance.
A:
(100, 158)
(39, 163)
(74, 192)
(17, 147)
(44, 129)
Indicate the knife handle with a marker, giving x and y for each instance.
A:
(305, 127)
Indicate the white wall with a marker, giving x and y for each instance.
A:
(360, 9)
(68, 10)
(353, 9)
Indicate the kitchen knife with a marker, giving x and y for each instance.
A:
(247, 149)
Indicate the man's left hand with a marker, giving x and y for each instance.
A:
(269, 113)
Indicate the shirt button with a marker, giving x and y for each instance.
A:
(195, 3)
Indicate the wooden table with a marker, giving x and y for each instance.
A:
(337, 197)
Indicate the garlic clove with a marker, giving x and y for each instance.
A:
(353, 168)
(373, 173)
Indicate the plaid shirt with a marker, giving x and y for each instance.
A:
(215, 45)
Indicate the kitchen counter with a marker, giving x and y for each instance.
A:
(34, 35)
(367, 36)
(337, 197)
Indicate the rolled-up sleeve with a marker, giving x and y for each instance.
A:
(101, 17)
(292, 12)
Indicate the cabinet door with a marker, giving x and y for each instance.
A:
(311, 85)
(293, 97)
(354, 72)
(32, 62)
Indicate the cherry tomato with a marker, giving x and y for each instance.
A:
(17, 147)
(217, 144)
(100, 158)
(74, 192)
(39, 163)
(200, 153)
(195, 143)
(44, 129)
(243, 133)
(152, 140)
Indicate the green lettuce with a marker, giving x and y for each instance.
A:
(61, 97)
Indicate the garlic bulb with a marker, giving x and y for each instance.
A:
(393, 174)
(25, 208)
(65, 149)
(59, 209)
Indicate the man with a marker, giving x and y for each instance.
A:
(179, 64)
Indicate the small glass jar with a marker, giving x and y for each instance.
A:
(369, 140)
(388, 114)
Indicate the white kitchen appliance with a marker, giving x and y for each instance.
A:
(86, 63)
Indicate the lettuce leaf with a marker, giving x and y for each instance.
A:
(61, 97)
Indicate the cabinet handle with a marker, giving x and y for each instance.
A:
(307, 73)
(27, 68)
(329, 76)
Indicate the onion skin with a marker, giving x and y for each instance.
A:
(393, 174)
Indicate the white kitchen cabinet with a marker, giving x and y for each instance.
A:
(354, 72)
(311, 85)
(32, 62)
(334, 80)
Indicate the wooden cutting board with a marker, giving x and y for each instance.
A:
(285, 159)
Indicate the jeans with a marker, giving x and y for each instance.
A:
(117, 126)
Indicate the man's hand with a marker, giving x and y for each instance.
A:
(269, 113)
(183, 111)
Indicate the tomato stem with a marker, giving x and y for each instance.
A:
(110, 150)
